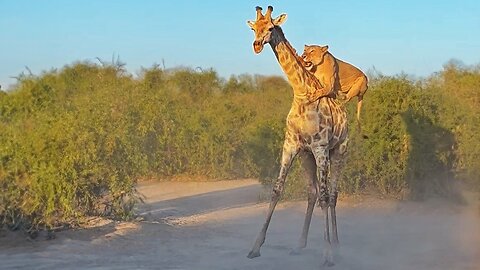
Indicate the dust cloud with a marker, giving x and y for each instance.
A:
(212, 225)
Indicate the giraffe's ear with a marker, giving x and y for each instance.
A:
(250, 24)
(280, 19)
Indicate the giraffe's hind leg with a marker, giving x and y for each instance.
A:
(337, 155)
(321, 154)
(310, 173)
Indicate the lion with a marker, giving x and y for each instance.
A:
(339, 78)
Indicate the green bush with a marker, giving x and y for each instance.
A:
(74, 141)
(418, 143)
(66, 150)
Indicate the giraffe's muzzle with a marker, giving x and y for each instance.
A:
(257, 46)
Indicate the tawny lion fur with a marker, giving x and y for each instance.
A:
(339, 78)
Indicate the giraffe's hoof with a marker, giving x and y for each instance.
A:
(328, 263)
(296, 251)
(253, 254)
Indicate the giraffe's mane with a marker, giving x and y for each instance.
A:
(289, 46)
(297, 57)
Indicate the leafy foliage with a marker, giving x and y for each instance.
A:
(418, 143)
(74, 141)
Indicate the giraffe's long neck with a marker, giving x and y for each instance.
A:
(300, 79)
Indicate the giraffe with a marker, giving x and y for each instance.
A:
(315, 129)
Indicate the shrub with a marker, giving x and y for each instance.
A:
(74, 141)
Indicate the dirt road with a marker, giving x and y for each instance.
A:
(212, 225)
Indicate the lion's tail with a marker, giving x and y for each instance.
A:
(359, 124)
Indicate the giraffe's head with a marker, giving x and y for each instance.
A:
(263, 27)
(313, 55)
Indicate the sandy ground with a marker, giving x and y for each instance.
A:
(212, 225)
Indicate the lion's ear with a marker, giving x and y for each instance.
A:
(325, 48)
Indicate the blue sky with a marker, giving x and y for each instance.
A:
(415, 37)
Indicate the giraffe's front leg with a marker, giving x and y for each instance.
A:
(290, 150)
